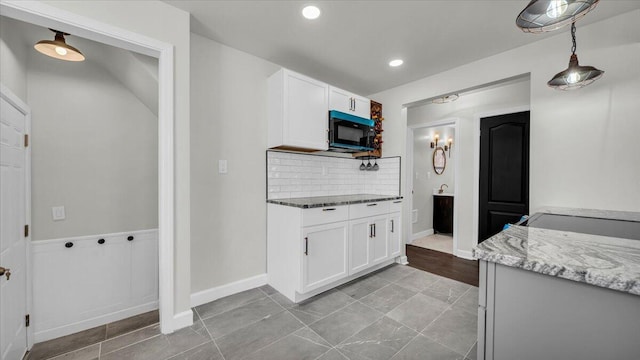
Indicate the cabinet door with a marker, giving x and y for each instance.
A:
(359, 238)
(443, 214)
(395, 235)
(324, 255)
(361, 107)
(379, 245)
(340, 100)
(306, 112)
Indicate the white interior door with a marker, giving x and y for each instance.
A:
(13, 284)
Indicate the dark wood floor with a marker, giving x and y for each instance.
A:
(443, 264)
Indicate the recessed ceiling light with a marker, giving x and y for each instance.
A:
(396, 62)
(311, 12)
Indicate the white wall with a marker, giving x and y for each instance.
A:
(94, 151)
(425, 180)
(13, 59)
(163, 22)
(583, 143)
(228, 212)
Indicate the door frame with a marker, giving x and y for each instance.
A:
(456, 187)
(15, 101)
(476, 160)
(52, 17)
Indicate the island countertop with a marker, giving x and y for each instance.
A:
(322, 201)
(604, 261)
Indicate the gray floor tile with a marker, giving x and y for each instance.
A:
(135, 322)
(473, 353)
(422, 348)
(311, 335)
(468, 301)
(320, 306)
(65, 344)
(418, 281)
(240, 317)
(163, 346)
(249, 339)
(119, 342)
(447, 290)
(89, 353)
(291, 347)
(267, 289)
(387, 298)
(455, 328)
(333, 354)
(344, 323)
(378, 341)
(395, 272)
(362, 287)
(228, 303)
(418, 312)
(282, 300)
(206, 351)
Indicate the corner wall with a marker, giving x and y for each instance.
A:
(583, 143)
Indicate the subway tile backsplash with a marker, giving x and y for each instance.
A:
(291, 175)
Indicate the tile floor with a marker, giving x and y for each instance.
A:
(438, 242)
(396, 313)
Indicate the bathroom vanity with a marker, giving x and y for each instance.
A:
(564, 284)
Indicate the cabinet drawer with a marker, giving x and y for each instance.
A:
(324, 215)
(395, 206)
(368, 209)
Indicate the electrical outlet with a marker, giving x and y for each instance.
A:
(222, 166)
(57, 213)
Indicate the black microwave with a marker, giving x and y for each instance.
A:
(349, 133)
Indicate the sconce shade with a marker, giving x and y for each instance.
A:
(58, 48)
(548, 15)
(575, 76)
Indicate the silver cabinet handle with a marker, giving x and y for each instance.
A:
(370, 230)
(397, 202)
(329, 209)
(306, 246)
(372, 204)
(374, 230)
(391, 225)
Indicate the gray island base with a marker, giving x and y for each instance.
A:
(548, 294)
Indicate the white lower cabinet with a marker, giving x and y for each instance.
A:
(325, 254)
(313, 250)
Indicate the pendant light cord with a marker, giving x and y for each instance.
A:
(573, 37)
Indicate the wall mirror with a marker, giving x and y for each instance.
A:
(439, 160)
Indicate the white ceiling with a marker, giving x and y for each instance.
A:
(352, 42)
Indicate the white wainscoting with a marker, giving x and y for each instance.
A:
(208, 295)
(91, 284)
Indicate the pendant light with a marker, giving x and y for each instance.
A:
(548, 15)
(58, 48)
(575, 76)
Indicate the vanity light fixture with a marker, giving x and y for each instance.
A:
(447, 146)
(58, 48)
(445, 99)
(548, 15)
(311, 12)
(434, 144)
(575, 76)
(396, 62)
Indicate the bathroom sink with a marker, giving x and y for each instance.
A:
(435, 192)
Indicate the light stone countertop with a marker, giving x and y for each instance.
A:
(322, 201)
(608, 262)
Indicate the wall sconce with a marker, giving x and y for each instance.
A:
(447, 146)
(436, 137)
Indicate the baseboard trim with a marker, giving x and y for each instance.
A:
(93, 322)
(465, 254)
(182, 320)
(402, 260)
(421, 234)
(205, 296)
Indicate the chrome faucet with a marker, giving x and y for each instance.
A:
(441, 190)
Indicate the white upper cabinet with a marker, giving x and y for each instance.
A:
(297, 111)
(349, 103)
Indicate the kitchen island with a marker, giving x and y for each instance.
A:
(565, 284)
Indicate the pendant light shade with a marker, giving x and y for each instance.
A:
(548, 15)
(58, 48)
(575, 76)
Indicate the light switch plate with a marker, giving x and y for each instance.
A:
(222, 166)
(57, 213)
